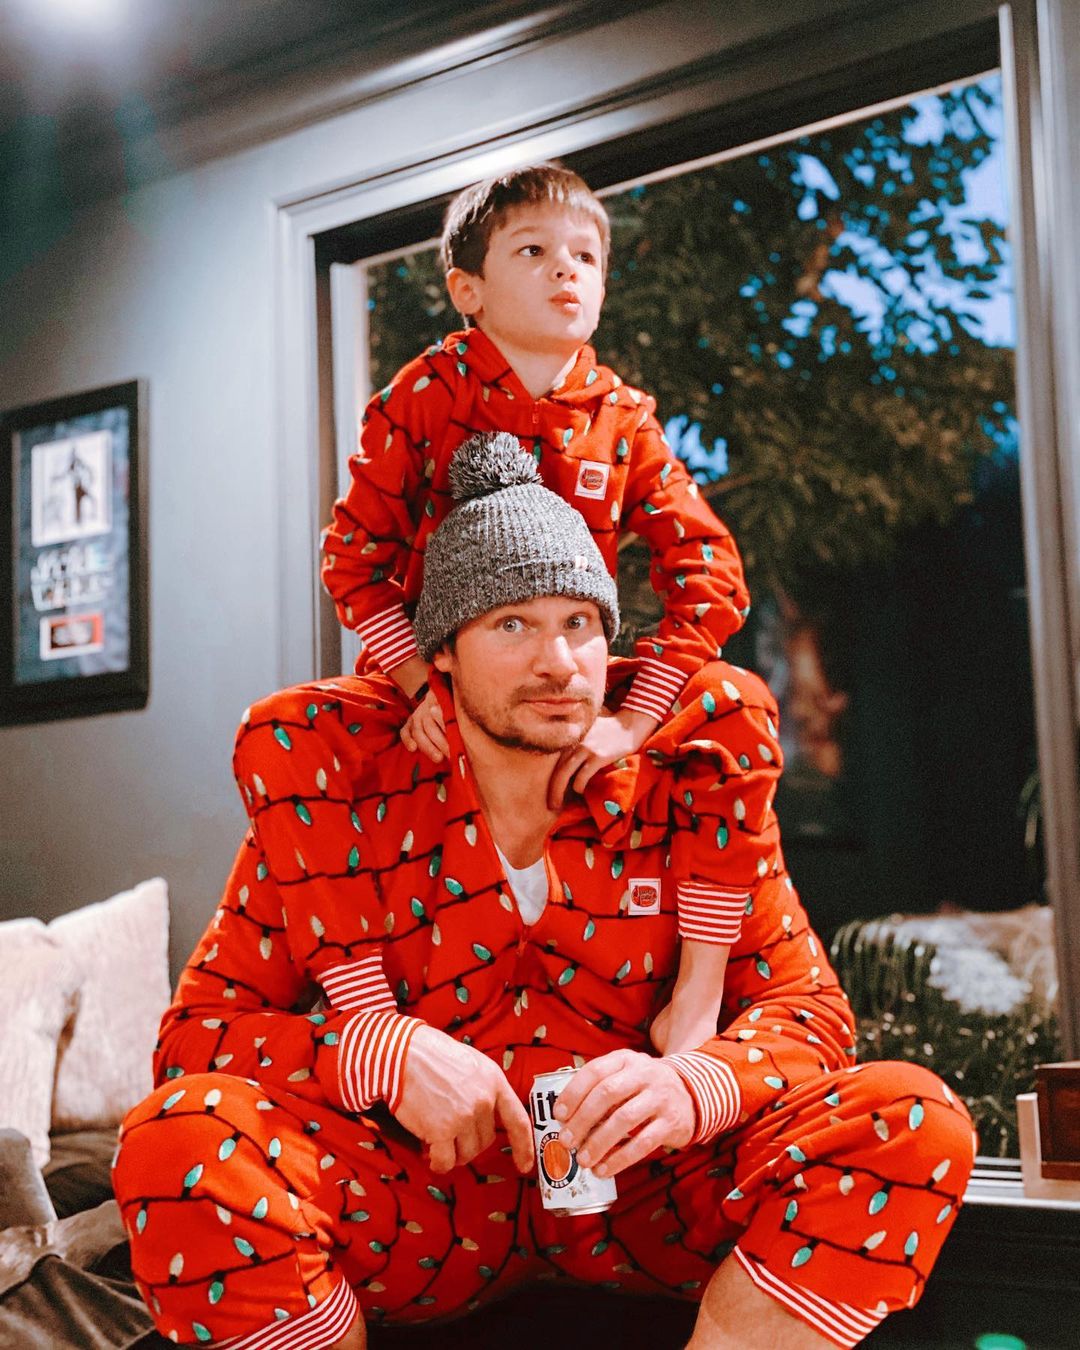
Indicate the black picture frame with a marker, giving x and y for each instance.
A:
(74, 567)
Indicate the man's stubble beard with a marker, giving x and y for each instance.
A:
(500, 732)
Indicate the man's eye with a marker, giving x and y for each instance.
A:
(510, 625)
(577, 621)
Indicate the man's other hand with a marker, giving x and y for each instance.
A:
(453, 1097)
(620, 1107)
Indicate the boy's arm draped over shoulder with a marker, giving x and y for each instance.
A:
(695, 567)
(366, 547)
(790, 1021)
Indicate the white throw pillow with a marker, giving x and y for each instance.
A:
(39, 985)
(122, 948)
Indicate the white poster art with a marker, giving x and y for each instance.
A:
(71, 635)
(70, 485)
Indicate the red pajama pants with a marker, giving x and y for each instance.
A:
(258, 1216)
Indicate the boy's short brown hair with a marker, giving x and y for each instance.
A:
(479, 210)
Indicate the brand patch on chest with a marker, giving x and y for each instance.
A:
(592, 479)
(644, 895)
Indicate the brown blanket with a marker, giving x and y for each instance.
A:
(65, 1282)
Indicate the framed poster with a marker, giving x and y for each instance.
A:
(73, 556)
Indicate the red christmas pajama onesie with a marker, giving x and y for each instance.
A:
(598, 445)
(266, 1190)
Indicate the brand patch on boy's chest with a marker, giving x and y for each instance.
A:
(592, 479)
(644, 895)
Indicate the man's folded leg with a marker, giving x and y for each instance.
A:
(834, 1206)
(261, 1220)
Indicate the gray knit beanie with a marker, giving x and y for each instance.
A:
(508, 539)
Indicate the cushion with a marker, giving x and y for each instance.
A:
(38, 988)
(121, 946)
(56, 1296)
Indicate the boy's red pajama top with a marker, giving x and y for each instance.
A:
(370, 883)
(598, 446)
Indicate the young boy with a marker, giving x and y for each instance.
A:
(525, 257)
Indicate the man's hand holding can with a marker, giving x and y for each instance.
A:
(621, 1107)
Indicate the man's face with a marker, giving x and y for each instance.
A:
(542, 284)
(530, 676)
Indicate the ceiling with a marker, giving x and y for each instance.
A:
(75, 73)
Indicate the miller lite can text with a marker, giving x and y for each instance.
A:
(566, 1187)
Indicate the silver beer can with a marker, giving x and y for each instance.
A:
(566, 1187)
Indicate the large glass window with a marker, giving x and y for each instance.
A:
(827, 326)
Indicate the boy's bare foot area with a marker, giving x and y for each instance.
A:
(354, 1339)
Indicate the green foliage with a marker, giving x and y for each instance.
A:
(841, 434)
(839, 438)
(1030, 812)
(410, 310)
(986, 1059)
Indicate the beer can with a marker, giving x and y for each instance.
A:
(566, 1187)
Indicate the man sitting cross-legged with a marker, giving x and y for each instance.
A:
(338, 1136)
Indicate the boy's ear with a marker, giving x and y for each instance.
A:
(465, 292)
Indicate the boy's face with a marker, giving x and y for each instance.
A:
(542, 285)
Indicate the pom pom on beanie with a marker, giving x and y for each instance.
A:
(486, 464)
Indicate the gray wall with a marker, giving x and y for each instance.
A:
(171, 284)
(177, 282)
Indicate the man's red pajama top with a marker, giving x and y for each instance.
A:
(418, 921)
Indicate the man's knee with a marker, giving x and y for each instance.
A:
(729, 684)
(912, 1109)
(737, 708)
(279, 711)
(329, 716)
(157, 1135)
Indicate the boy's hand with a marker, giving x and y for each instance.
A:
(610, 737)
(425, 730)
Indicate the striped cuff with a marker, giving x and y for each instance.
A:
(711, 913)
(715, 1090)
(371, 1058)
(359, 986)
(325, 1324)
(389, 637)
(656, 687)
(839, 1322)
